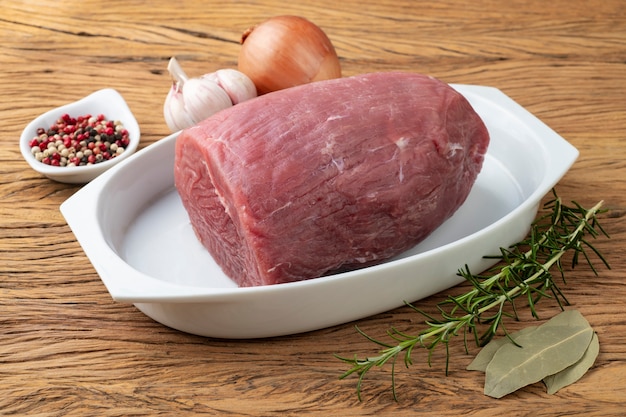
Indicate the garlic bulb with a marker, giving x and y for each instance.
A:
(191, 100)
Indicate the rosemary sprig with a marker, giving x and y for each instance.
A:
(524, 271)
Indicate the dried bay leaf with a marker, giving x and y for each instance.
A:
(552, 347)
(486, 354)
(574, 372)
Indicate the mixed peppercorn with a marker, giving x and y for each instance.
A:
(84, 140)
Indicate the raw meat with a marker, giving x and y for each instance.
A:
(328, 176)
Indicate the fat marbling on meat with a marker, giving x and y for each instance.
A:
(328, 176)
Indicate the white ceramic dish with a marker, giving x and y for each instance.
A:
(108, 102)
(138, 237)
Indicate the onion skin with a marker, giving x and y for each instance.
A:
(285, 51)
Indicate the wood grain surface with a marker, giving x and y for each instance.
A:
(67, 349)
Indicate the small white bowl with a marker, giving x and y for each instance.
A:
(107, 102)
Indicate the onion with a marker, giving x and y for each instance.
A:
(285, 51)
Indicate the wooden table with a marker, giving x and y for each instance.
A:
(67, 349)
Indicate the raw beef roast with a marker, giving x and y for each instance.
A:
(328, 176)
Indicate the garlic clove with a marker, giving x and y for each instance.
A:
(203, 98)
(174, 112)
(237, 85)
